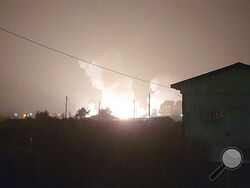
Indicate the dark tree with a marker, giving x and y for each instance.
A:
(171, 109)
(82, 113)
(166, 108)
(42, 115)
(105, 114)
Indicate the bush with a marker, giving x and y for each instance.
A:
(44, 115)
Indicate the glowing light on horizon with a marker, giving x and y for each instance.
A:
(121, 103)
(120, 107)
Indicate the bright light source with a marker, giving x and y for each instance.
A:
(30, 114)
(181, 115)
(15, 114)
(24, 116)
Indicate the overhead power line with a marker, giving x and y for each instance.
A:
(77, 58)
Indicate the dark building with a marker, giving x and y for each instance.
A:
(216, 106)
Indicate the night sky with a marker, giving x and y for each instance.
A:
(161, 41)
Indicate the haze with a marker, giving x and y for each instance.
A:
(161, 41)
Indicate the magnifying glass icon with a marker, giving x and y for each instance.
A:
(231, 158)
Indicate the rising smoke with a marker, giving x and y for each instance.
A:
(118, 91)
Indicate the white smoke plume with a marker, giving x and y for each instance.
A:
(94, 74)
(117, 91)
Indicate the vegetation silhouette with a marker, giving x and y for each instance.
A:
(104, 115)
(81, 113)
(90, 153)
(42, 115)
(171, 109)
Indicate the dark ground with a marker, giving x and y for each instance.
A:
(96, 154)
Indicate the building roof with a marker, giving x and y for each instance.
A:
(233, 66)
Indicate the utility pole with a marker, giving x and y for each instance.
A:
(149, 105)
(66, 107)
(134, 109)
(99, 115)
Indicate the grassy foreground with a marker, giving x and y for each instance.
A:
(91, 153)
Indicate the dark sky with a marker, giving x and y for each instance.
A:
(163, 41)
